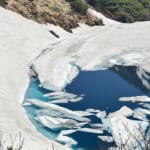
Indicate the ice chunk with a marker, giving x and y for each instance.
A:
(96, 125)
(106, 138)
(58, 110)
(65, 139)
(59, 101)
(84, 113)
(56, 95)
(135, 99)
(55, 78)
(76, 99)
(59, 123)
(90, 130)
(91, 110)
(145, 111)
(66, 100)
(63, 97)
(101, 114)
(146, 105)
(123, 111)
(139, 115)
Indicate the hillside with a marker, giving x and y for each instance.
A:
(123, 10)
(65, 13)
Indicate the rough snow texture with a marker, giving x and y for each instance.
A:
(95, 48)
(21, 41)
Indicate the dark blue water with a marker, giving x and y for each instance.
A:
(101, 90)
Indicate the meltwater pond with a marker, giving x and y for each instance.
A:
(99, 91)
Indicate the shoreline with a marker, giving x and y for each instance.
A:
(22, 41)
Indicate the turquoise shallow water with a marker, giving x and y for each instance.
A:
(101, 89)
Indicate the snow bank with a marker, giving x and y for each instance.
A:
(94, 48)
(49, 76)
(21, 41)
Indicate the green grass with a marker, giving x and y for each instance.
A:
(78, 6)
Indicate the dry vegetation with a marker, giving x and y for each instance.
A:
(58, 12)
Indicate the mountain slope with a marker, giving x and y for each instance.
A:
(57, 12)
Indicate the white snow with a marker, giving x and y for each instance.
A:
(21, 41)
(123, 44)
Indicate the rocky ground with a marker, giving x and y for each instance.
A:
(58, 12)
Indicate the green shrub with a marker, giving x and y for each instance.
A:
(79, 6)
(124, 10)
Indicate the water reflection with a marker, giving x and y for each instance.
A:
(135, 76)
